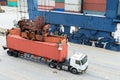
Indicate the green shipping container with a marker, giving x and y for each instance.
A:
(59, 0)
(12, 4)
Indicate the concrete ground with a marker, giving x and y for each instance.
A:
(103, 64)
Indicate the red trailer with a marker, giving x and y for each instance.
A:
(44, 49)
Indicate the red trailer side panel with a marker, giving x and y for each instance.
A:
(43, 49)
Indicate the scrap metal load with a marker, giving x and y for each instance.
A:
(32, 37)
(35, 30)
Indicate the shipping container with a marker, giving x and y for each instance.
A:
(23, 0)
(46, 2)
(73, 7)
(23, 9)
(59, 5)
(22, 4)
(12, 0)
(46, 8)
(72, 1)
(44, 49)
(59, 1)
(3, 3)
(3, 0)
(12, 4)
(95, 1)
(94, 5)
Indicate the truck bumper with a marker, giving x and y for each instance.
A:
(83, 71)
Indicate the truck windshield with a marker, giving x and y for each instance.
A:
(84, 60)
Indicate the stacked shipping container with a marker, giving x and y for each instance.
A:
(73, 5)
(22, 6)
(12, 3)
(46, 4)
(95, 5)
(59, 4)
(3, 2)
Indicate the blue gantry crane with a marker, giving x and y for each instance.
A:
(95, 29)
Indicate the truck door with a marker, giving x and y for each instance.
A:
(75, 63)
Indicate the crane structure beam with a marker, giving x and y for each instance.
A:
(91, 26)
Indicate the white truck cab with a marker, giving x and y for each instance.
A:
(78, 63)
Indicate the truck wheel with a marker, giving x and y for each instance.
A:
(51, 65)
(9, 53)
(74, 71)
(58, 67)
(15, 54)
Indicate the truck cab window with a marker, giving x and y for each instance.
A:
(84, 60)
(77, 62)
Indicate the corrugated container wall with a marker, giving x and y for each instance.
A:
(12, 3)
(3, 2)
(73, 5)
(95, 5)
(46, 4)
(59, 1)
(59, 4)
(22, 6)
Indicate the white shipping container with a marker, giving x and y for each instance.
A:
(22, 0)
(72, 1)
(73, 7)
(22, 4)
(23, 9)
(46, 2)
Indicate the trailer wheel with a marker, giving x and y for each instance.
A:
(74, 71)
(52, 65)
(58, 67)
(9, 53)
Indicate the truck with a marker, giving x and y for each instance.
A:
(54, 50)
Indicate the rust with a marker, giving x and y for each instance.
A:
(29, 28)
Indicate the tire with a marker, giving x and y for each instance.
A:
(58, 67)
(10, 53)
(15, 54)
(74, 71)
(51, 65)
